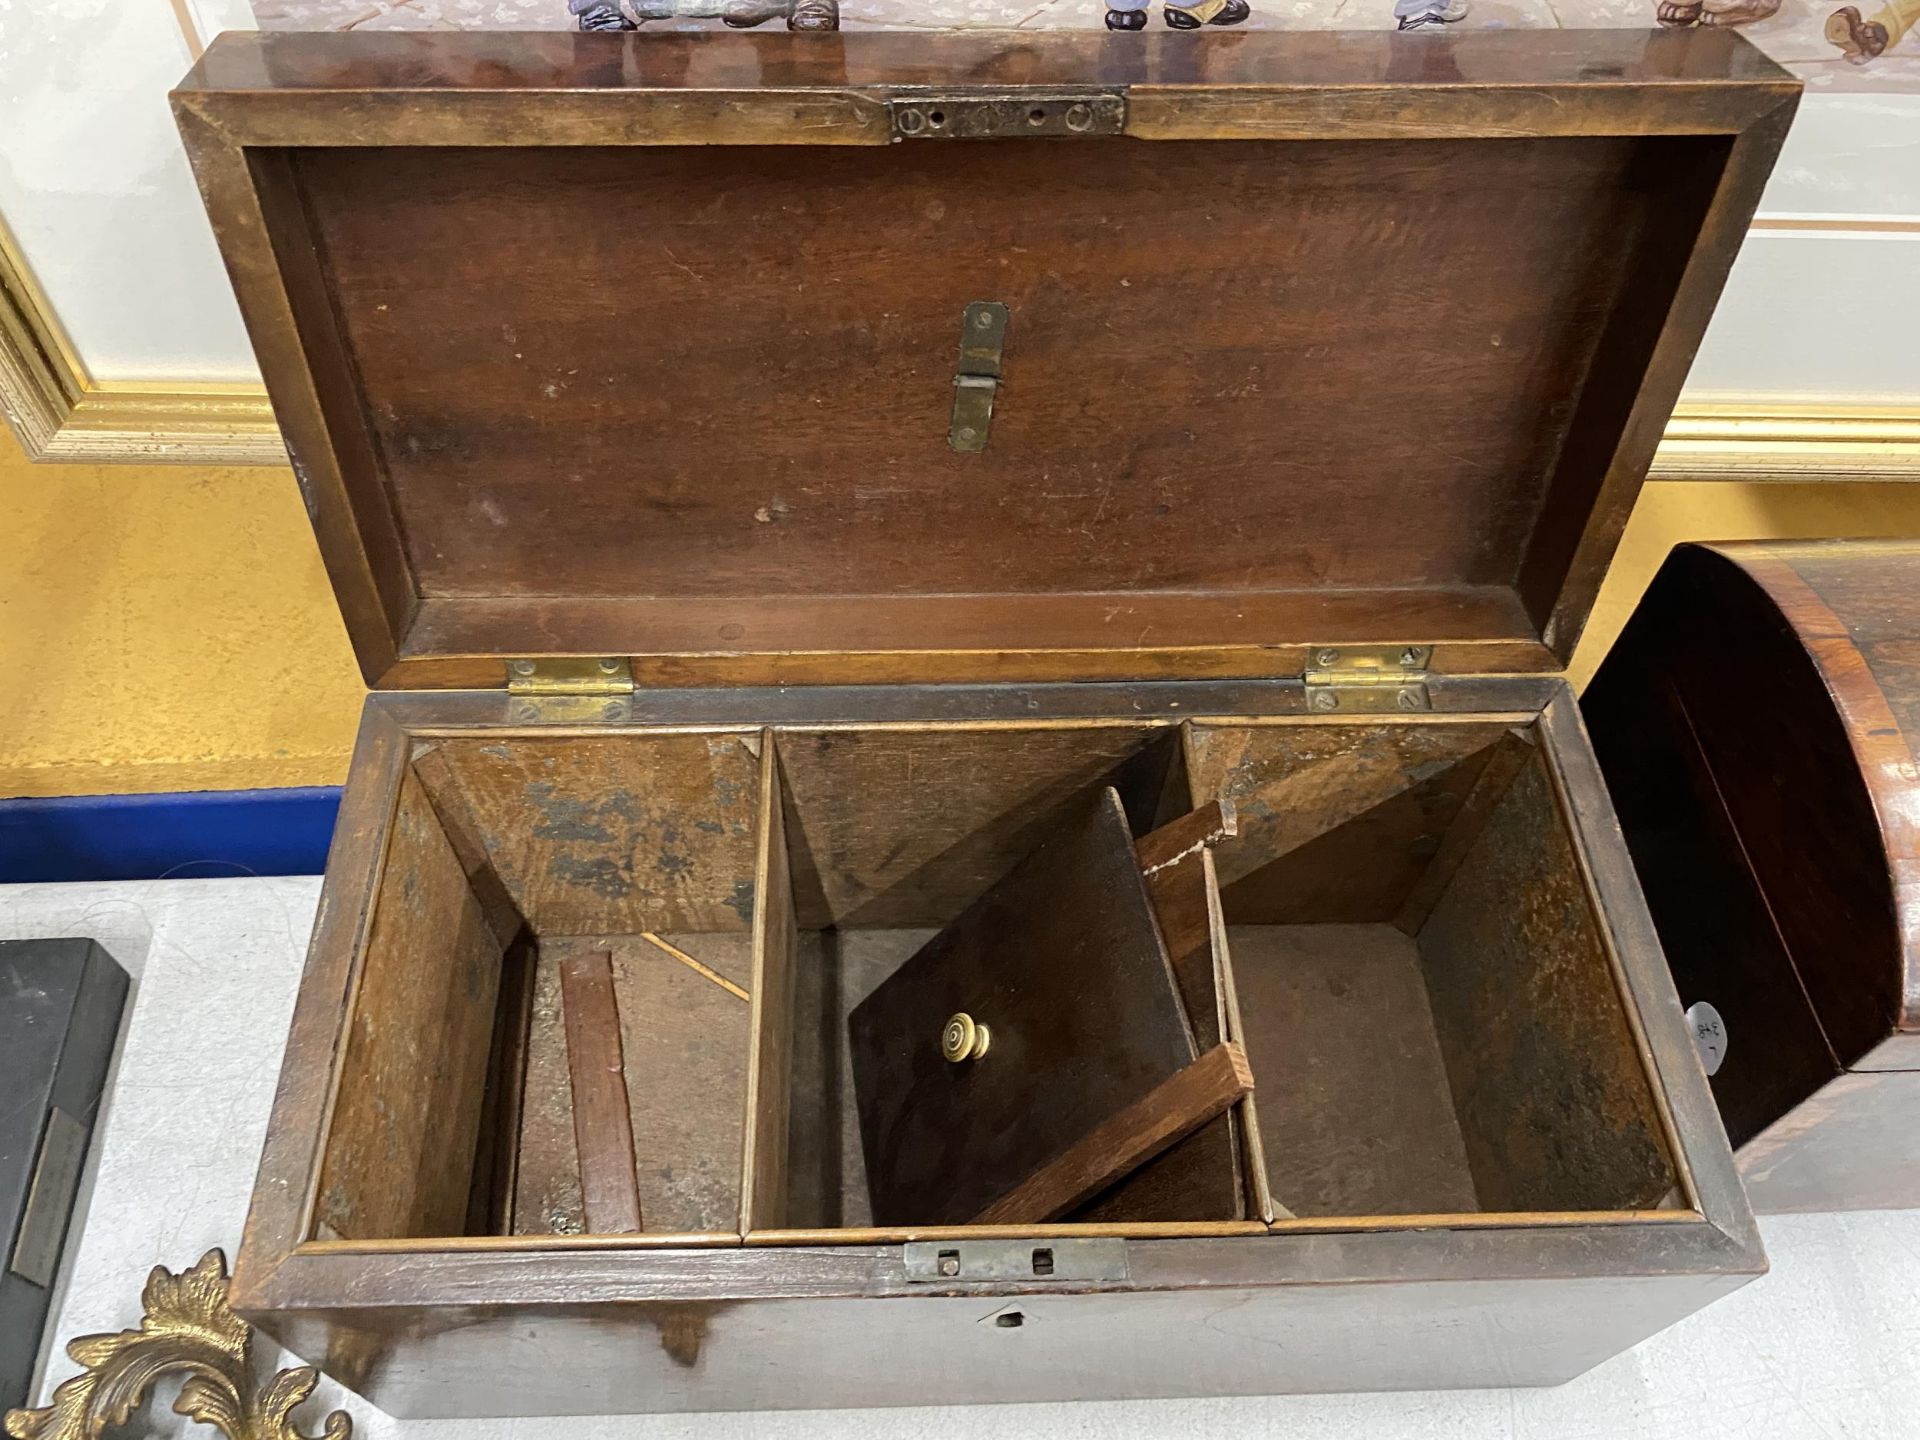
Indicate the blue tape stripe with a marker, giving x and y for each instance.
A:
(172, 836)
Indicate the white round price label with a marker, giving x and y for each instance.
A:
(1709, 1034)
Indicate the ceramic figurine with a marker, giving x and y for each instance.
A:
(1863, 38)
(1425, 14)
(1681, 13)
(740, 14)
(1132, 14)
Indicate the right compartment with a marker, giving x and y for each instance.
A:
(1430, 1006)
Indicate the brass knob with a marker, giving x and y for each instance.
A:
(962, 1039)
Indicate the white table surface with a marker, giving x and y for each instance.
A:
(1826, 1347)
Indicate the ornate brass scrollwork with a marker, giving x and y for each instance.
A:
(186, 1330)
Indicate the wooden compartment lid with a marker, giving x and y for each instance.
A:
(647, 346)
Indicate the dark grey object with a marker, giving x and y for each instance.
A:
(60, 1004)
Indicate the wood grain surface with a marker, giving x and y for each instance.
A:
(1357, 1115)
(597, 1075)
(1174, 1109)
(683, 1045)
(1337, 822)
(1554, 1104)
(615, 835)
(907, 827)
(400, 1149)
(1203, 1176)
(1588, 196)
(1777, 842)
(1064, 962)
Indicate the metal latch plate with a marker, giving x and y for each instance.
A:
(1039, 1262)
(1003, 117)
(976, 380)
(1368, 679)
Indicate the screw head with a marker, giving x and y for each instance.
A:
(1328, 656)
(522, 667)
(983, 320)
(612, 710)
(1408, 699)
(1324, 700)
(1410, 658)
(1079, 115)
(967, 432)
(949, 1265)
(609, 667)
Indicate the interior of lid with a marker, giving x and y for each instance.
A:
(697, 401)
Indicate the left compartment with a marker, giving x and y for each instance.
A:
(549, 1025)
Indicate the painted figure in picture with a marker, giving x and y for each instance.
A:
(1132, 14)
(1863, 38)
(739, 14)
(1679, 14)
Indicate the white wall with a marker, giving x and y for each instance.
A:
(97, 193)
(1825, 298)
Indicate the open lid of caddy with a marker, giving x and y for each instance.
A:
(881, 356)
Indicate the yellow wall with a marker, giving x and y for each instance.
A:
(165, 628)
(168, 628)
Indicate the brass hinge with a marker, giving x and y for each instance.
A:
(1367, 679)
(570, 675)
(1006, 117)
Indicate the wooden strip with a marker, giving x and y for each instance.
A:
(1474, 629)
(602, 1122)
(1055, 1229)
(1254, 1158)
(763, 1168)
(1632, 392)
(1179, 897)
(1204, 1175)
(1173, 1109)
(1186, 837)
(692, 964)
(286, 1211)
(364, 559)
(527, 1244)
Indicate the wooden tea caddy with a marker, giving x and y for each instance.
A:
(727, 582)
(1778, 840)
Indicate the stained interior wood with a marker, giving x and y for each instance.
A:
(543, 482)
(403, 1148)
(882, 857)
(684, 1050)
(507, 857)
(1430, 1009)
(1402, 937)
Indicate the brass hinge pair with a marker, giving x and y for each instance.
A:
(1367, 679)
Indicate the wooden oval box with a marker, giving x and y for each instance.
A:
(768, 479)
(1755, 725)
